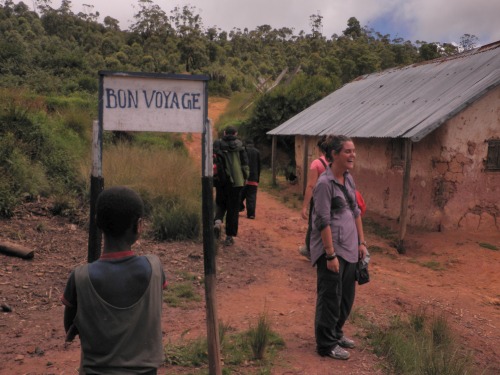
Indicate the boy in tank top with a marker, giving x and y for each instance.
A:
(115, 303)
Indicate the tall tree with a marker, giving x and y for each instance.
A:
(192, 43)
(151, 20)
(429, 51)
(468, 41)
(353, 29)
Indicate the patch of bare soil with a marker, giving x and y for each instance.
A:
(446, 273)
(262, 272)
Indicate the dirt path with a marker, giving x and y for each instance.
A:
(262, 273)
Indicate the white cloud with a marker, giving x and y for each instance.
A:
(429, 20)
(446, 21)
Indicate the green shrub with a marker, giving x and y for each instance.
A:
(192, 354)
(177, 293)
(79, 122)
(423, 345)
(65, 204)
(168, 182)
(236, 349)
(22, 174)
(37, 153)
(88, 84)
(26, 135)
(487, 245)
(378, 229)
(8, 199)
(259, 337)
(176, 221)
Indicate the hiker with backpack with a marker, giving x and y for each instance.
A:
(249, 191)
(231, 162)
(337, 244)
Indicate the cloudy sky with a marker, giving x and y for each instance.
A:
(425, 20)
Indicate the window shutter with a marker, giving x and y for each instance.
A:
(493, 158)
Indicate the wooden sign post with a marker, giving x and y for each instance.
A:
(150, 102)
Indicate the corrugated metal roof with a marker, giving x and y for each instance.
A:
(407, 102)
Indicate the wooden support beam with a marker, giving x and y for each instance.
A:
(273, 159)
(403, 216)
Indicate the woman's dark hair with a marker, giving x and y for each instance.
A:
(321, 142)
(334, 143)
(117, 209)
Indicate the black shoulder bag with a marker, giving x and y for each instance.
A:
(362, 275)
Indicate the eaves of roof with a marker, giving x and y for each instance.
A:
(408, 102)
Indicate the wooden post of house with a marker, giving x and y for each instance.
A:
(305, 159)
(403, 216)
(273, 160)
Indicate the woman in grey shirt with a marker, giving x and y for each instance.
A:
(337, 243)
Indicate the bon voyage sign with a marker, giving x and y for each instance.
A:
(152, 102)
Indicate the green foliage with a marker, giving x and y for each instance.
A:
(165, 141)
(56, 53)
(290, 199)
(423, 345)
(191, 354)
(167, 180)
(259, 337)
(178, 294)
(233, 113)
(59, 51)
(236, 349)
(8, 198)
(37, 157)
(487, 245)
(65, 205)
(279, 105)
(372, 226)
(429, 51)
(433, 265)
(175, 221)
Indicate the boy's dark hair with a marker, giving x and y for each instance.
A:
(117, 209)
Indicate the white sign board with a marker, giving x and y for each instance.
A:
(150, 104)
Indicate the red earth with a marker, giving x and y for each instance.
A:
(446, 273)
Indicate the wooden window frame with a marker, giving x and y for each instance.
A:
(492, 161)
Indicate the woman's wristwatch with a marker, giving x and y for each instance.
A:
(330, 257)
(364, 243)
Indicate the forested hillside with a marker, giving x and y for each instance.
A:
(50, 58)
(55, 50)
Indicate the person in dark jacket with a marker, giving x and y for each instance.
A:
(249, 191)
(227, 197)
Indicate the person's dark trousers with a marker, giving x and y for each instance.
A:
(243, 197)
(249, 193)
(221, 198)
(229, 204)
(335, 297)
